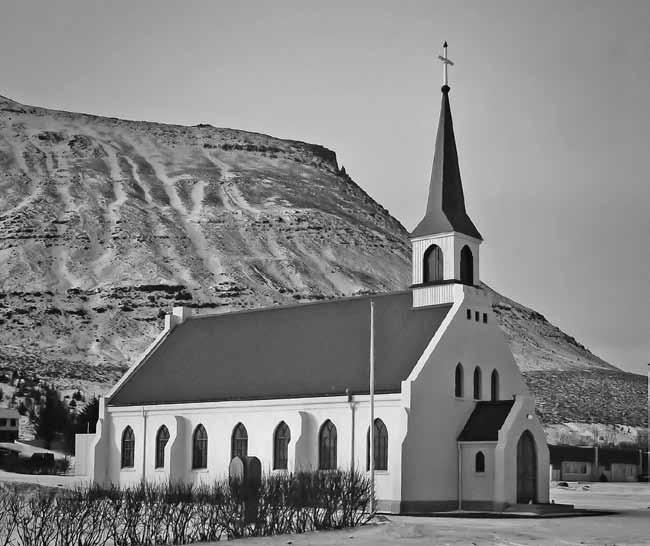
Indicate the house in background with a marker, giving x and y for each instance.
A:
(9, 424)
(585, 464)
(454, 426)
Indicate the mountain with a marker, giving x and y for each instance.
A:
(104, 223)
(570, 384)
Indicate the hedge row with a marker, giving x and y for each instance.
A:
(182, 514)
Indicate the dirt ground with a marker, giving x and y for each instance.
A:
(630, 526)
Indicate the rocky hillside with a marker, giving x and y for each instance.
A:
(570, 383)
(104, 223)
(537, 344)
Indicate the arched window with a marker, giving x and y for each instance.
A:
(281, 440)
(432, 264)
(162, 437)
(200, 447)
(327, 446)
(466, 266)
(239, 442)
(477, 383)
(380, 440)
(459, 380)
(479, 462)
(128, 448)
(494, 386)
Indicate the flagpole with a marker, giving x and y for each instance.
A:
(371, 447)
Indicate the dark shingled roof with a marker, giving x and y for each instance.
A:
(485, 421)
(587, 454)
(446, 206)
(318, 349)
(618, 455)
(570, 453)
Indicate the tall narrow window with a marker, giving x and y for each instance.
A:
(433, 263)
(162, 437)
(239, 443)
(459, 381)
(494, 386)
(380, 451)
(281, 440)
(327, 446)
(200, 447)
(477, 383)
(479, 464)
(466, 266)
(128, 448)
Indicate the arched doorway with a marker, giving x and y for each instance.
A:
(526, 469)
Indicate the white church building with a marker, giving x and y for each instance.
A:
(455, 425)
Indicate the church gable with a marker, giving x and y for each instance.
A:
(284, 352)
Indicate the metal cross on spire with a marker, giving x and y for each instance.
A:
(445, 62)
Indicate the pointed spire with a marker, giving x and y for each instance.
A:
(446, 206)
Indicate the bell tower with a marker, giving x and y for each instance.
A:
(445, 244)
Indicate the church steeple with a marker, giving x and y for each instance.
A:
(446, 206)
(446, 241)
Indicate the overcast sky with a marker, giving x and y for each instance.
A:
(551, 105)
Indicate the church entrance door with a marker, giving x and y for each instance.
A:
(526, 469)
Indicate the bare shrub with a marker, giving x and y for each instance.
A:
(182, 514)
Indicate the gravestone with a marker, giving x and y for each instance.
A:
(245, 478)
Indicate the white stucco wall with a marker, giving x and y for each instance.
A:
(436, 416)
(477, 486)
(521, 418)
(303, 416)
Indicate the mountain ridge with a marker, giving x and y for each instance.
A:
(104, 222)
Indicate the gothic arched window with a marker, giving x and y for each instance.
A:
(433, 263)
(128, 448)
(239, 443)
(466, 266)
(281, 440)
(458, 380)
(477, 383)
(479, 462)
(327, 446)
(162, 437)
(200, 447)
(380, 450)
(494, 386)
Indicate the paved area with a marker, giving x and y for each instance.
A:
(605, 496)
